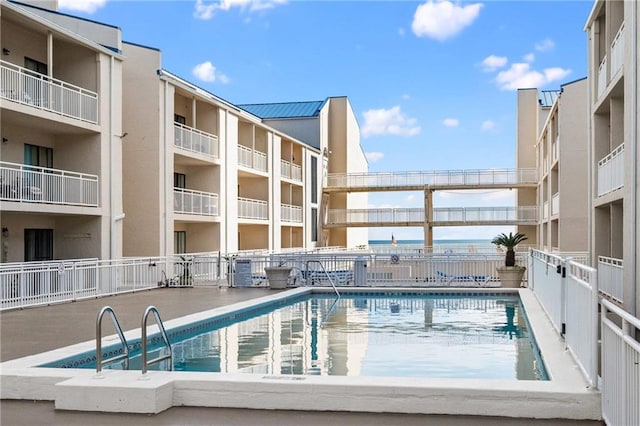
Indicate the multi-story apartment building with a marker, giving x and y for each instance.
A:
(561, 159)
(330, 126)
(60, 173)
(613, 34)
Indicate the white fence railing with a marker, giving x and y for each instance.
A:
(545, 278)
(610, 272)
(450, 178)
(42, 283)
(290, 213)
(617, 52)
(195, 140)
(188, 201)
(620, 366)
(27, 87)
(555, 204)
(581, 319)
(611, 171)
(19, 182)
(373, 216)
(485, 214)
(290, 170)
(602, 77)
(252, 209)
(256, 160)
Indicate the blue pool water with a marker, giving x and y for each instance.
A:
(447, 336)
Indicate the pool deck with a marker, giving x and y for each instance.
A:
(32, 331)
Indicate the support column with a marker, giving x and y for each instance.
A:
(428, 216)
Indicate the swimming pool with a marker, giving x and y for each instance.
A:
(444, 335)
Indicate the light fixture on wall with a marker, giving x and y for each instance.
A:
(5, 232)
(5, 51)
(5, 140)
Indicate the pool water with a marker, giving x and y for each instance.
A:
(446, 336)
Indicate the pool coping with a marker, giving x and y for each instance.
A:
(565, 395)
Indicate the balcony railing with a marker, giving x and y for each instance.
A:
(602, 76)
(22, 183)
(617, 52)
(252, 209)
(610, 272)
(188, 201)
(499, 178)
(554, 150)
(611, 171)
(485, 214)
(27, 87)
(290, 171)
(545, 210)
(555, 204)
(290, 213)
(195, 140)
(256, 160)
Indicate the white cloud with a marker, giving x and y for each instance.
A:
(521, 75)
(406, 96)
(545, 45)
(206, 71)
(87, 6)
(411, 197)
(374, 156)
(529, 57)
(206, 11)
(451, 122)
(388, 122)
(487, 125)
(493, 62)
(443, 19)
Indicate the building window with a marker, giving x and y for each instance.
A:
(38, 156)
(314, 180)
(180, 242)
(179, 180)
(314, 224)
(180, 119)
(37, 66)
(38, 244)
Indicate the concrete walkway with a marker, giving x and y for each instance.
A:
(30, 331)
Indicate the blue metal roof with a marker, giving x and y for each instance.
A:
(548, 97)
(284, 109)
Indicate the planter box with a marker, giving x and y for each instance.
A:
(278, 276)
(511, 276)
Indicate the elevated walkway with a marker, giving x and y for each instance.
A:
(442, 216)
(432, 180)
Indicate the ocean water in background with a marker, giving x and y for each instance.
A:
(439, 246)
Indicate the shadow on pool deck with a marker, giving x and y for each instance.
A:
(35, 330)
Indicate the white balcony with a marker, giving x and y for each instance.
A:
(26, 87)
(22, 183)
(602, 76)
(617, 52)
(545, 210)
(252, 159)
(611, 171)
(252, 209)
(290, 213)
(290, 171)
(610, 273)
(555, 204)
(554, 150)
(195, 140)
(187, 201)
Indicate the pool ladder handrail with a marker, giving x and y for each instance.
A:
(124, 356)
(146, 363)
(325, 272)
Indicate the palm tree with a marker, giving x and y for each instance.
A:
(509, 242)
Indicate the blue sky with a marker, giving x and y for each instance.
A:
(433, 83)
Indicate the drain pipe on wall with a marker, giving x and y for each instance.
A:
(112, 227)
(633, 286)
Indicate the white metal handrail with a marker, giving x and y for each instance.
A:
(611, 171)
(124, 356)
(252, 209)
(455, 178)
(555, 153)
(20, 182)
(260, 161)
(169, 355)
(617, 52)
(610, 277)
(252, 159)
(291, 213)
(195, 140)
(602, 76)
(555, 204)
(30, 88)
(485, 214)
(290, 170)
(189, 201)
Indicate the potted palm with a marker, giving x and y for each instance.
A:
(510, 274)
(278, 276)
